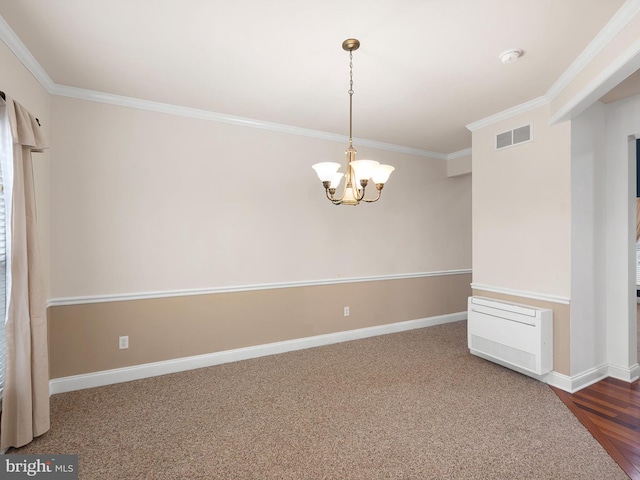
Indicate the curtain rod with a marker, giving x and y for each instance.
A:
(3, 96)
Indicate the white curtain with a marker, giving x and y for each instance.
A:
(25, 402)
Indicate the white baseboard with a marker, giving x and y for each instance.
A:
(574, 383)
(569, 384)
(563, 382)
(118, 375)
(626, 374)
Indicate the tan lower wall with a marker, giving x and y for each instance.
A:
(561, 326)
(84, 338)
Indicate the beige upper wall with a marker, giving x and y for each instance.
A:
(459, 166)
(145, 202)
(18, 83)
(521, 208)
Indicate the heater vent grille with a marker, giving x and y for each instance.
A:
(509, 354)
(513, 137)
(504, 139)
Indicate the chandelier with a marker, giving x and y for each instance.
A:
(359, 172)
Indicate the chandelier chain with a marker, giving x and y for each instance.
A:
(350, 73)
(351, 98)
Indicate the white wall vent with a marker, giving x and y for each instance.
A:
(513, 137)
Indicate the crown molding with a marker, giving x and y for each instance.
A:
(623, 66)
(177, 110)
(628, 10)
(398, 148)
(19, 49)
(459, 153)
(508, 113)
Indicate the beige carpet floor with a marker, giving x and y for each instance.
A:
(412, 405)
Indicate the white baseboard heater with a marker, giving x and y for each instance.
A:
(515, 336)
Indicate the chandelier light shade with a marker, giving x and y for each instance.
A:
(359, 172)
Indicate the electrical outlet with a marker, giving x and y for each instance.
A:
(123, 342)
(346, 311)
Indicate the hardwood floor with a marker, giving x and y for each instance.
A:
(610, 410)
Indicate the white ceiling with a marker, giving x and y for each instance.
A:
(425, 69)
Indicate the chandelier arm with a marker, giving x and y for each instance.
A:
(329, 196)
(379, 188)
(372, 199)
(335, 201)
